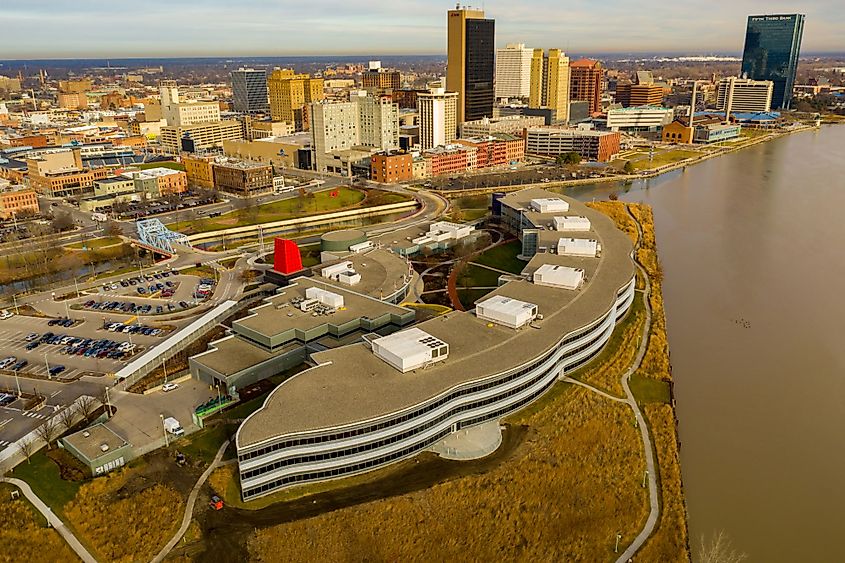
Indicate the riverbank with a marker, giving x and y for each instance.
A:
(645, 174)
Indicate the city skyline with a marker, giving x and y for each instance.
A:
(254, 28)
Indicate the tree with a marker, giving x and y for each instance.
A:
(27, 447)
(62, 222)
(568, 158)
(47, 431)
(718, 550)
(629, 167)
(67, 415)
(85, 404)
(113, 229)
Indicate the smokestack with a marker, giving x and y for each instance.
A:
(692, 104)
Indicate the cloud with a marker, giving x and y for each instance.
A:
(50, 28)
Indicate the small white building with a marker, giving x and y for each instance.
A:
(572, 223)
(578, 247)
(505, 311)
(559, 276)
(409, 349)
(362, 247)
(455, 231)
(327, 298)
(343, 272)
(549, 205)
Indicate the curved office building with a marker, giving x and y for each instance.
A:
(369, 404)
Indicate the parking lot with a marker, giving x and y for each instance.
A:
(43, 357)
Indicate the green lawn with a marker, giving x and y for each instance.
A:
(648, 390)
(166, 164)
(477, 276)
(200, 272)
(469, 214)
(205, 443)
(473, 202)
(278, 211)
(662, 158)
(97, 243)
(503, 257)
(229, 263)
(43, 476)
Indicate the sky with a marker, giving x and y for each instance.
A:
(169, 28)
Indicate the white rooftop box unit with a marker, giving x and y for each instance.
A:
(549, 205)
(450, 230)
(410, 349)
(362, 246)
(325, 297)
(330, 272)
(559, 276)
(349, 277)
(572, 223)
(506, 311)
(578, 247)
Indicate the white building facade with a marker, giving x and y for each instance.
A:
(513, 71)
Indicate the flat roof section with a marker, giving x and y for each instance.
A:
(91, 441)
(351, 385)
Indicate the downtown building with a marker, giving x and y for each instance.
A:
(513, 71)
(550, 83)
(249, 91)
(438, 112)
(772, 47)
(470, 63)
(744, 95)
(601, 146)
(291, 95)
(377, 80)
(586, 83)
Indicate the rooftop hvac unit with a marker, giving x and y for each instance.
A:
(104, 447)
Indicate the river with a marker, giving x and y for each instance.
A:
(753, 252)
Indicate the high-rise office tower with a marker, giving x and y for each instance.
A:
(742, 94)
(550, 83)
(513, 71)
(772, 45)
(586, 83)
(438, 117)
(290, 96)
(249, 90)
(470, 62)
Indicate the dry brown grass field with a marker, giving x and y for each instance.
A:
(123, 519)
(563, 497)
(23, 536)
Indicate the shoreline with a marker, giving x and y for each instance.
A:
(646, 174)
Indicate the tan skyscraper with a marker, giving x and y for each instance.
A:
(550, 82)
(470, 62)
(290, 95)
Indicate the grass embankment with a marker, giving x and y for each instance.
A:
(314, 203)
(469, 208)
(24, 535)
(199, 271)
(96, 244)
(562, 497)
(36, 260)
(661, 158)
(651, 385)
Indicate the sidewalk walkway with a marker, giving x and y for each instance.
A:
(54, 520)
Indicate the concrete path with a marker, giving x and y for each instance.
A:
(189, 508)
(593, 389)
(54, 520)
(651, 466)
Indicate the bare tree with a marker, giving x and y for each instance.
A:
(719, 550)
(48, 431)
(27, 447)
(85, 405)
(67, 415)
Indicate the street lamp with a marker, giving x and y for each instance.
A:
(618, 537)
(164, 428)
(18, 383)
(49, 375)
(15, 301)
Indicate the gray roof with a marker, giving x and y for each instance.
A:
(98, 435)
(351, 385)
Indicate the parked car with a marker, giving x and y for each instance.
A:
(56, 370)
(32, 345)
(169, 387)
(31, 336)
(20, 365)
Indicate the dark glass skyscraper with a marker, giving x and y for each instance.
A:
(249, 91)
(772, 44)
(480, 68)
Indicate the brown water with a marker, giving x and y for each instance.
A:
(753, 251)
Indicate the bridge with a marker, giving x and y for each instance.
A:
(152, 233)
